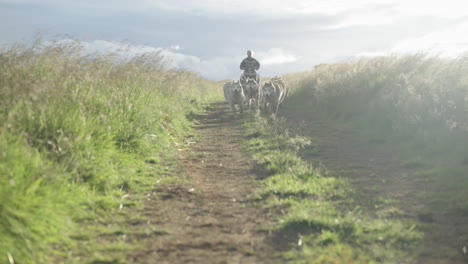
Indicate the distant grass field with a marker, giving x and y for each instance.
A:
(77, 132)
(321, 223)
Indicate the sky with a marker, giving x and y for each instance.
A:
(211, 37)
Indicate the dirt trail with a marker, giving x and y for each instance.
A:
(209, 219)
(377, 173)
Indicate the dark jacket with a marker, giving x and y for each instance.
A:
(249, 65)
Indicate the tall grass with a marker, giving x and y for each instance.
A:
(414, 104)
(414, 94)
(74, 129)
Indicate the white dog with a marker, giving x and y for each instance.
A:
(234, 94)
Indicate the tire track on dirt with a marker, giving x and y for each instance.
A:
(209, 219)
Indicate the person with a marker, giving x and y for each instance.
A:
(249, 65)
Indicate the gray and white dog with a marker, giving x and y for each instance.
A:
(273, 94)
(252, 93)
(234, 95)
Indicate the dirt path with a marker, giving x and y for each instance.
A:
(209, 219)
(378, 174)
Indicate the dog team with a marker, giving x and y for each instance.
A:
(249, 91)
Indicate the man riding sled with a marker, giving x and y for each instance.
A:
(250, 65)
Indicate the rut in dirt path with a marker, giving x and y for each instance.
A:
(209, 219)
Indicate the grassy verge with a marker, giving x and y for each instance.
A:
(77, 133)
(415, 106)
(321, 222)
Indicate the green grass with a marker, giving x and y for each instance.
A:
(321, 221)
(77, 132)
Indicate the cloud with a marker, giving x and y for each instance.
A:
(175, 59)
(276, 56)
(371, 54)
(444, 9)
(175, 47)
(347, 13)
(210, 36)
(127, 50)
(280, 8)
(369, 16)
(450, 42)
(216, 68)
(268, 8)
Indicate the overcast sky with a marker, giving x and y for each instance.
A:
(211, 36)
